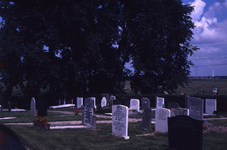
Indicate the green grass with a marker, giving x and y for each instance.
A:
(99, 138)
(196, 87)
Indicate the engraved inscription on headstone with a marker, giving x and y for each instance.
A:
(161, 115)
(185, 133)
(88, 112)
(120, 121)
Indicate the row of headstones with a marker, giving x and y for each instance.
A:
(104, 101)
(192, 103)
(184, 132)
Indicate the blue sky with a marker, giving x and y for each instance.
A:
(210, 35)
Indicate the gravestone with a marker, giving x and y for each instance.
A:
(185, 133)
(112, 100)
(88, 114)
(94, 99)
(172, 105)
(79, 102)
(146, 120)
(42, 107)
(210, 106)
(135, 104)
(33, 107)
(195, 106)
(160, 102)
(9, 106)
(145, 103)
(179, 111)
(103, 102)
(161, 119)
(120, 121)
(107, 96)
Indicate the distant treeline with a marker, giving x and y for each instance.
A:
(207, 77)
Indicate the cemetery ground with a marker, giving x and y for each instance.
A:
(100, 137)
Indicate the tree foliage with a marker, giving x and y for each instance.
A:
(67, 47)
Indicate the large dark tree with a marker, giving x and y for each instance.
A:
(69, 47)
(157, 33)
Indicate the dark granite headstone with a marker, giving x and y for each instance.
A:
(9, 106)
(185, 133)
(42, 107)
(145, 103)
(172, 105)
(88, 114)
(146, 120)
(195, 106)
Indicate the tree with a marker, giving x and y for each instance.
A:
(68, 47)
(158, 43)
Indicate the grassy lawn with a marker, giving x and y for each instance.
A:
(99, 138)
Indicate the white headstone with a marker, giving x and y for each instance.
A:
(210, 106)
(103, 102)
(135, 104)
(33, 107)
(161, 120)
(160, 102)
(79, 102)
(120, 121)
(179, 111)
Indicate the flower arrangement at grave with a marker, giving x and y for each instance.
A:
(42, 122)
(77, 112)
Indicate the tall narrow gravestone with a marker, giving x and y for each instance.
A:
(42, 107)
(146, 120)
(9, 106)
(210, 106)
(161, 119)
(195, 106)
(160, 102)
(145, 103)
(33, 107)
(120, 121)
(88, 114)
(103, 102)
(185, 133)
(135, 104)
(79, 102)
(94, 99)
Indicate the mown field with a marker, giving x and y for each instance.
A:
(197, 87)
